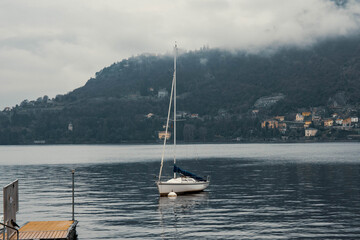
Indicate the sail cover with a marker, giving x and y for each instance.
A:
(186, 173)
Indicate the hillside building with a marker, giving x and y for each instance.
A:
(346, 123)
(271, 123)
(280, 118)
(162, 135)
(316, 119)
(149, 115)
(282, 127)
(328, 123)
(307, 124)
(182, 114)
(299, 118)
(339, 121)
(310, 132)
(162, 93)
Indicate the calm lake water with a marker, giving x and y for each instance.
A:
(257, 191)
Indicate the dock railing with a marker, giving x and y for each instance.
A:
(7, 226)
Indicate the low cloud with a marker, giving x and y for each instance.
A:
(52, 47)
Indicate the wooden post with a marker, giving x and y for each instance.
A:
(73, 194)
(11, 205)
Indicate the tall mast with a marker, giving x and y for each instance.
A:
(175, 55)
(167, 122)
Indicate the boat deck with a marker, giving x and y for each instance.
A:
(61, 230)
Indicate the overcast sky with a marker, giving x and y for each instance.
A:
(52, 47)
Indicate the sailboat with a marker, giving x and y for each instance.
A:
(183, 181)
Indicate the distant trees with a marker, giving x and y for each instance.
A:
(221, 87)
(189, 132)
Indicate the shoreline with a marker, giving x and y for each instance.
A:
(189, 143)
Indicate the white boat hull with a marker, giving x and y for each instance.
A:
(181, 187)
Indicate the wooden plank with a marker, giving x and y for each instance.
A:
(32, 235)
(42, 235)
(46, 230)
(47, 226)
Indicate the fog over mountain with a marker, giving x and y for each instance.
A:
(222, 96)
(49, 48)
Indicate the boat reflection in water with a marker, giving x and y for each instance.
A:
(176, 213)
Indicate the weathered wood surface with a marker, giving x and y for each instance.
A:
(11, 204)
(61, 230)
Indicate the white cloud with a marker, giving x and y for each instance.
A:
(52, 47)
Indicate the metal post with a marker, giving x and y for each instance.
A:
(17, 231)
(73, 194)
(175, 55)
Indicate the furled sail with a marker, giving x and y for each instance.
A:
(186, 173)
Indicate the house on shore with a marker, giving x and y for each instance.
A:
(271, 123)
(346, 123)
(162, 134)
(306, 114)
(282, 127)
(354, 119)
(310, 132)
(280, 118)
(299, 117)
(307, 123)
(328, 123)
(339, 121)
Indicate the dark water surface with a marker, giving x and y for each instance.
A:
(257, 191)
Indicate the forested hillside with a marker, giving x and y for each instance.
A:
(217, 93)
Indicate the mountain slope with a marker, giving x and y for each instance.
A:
(222, 79)
(222, 87)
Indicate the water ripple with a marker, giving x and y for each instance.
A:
(252, 195)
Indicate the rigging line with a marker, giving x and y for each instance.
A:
(167, 127)
(175, 56)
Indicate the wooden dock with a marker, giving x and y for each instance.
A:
(59, 230)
